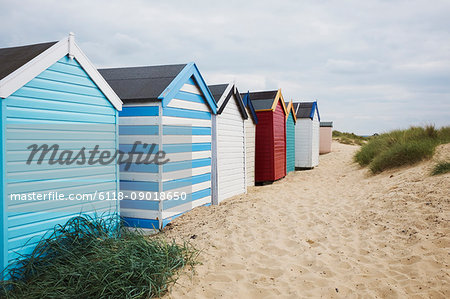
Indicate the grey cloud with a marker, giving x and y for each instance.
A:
(372, 65)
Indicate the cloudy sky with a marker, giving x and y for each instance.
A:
(372, 65)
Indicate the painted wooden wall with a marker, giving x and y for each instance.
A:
(183, 131)
(270, 154)
(325, 137)
(139, 121)
(290, 143)
(60, 106)
(187, 137)
(264, 153)
(307, 142)
(315, 141)
(250, 136)
(279, 135)
(231, 151)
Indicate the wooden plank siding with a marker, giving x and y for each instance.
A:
(315, 141)
(231, 151)
(307, 142)
(290, 143)
(279, 135)
(303, 143)
(264, 153)
(60, 106)
(187, 122)
(183, 131)
(139, 122)
(325, 137)
(250, 139)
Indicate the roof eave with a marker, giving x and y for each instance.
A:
(43, 61)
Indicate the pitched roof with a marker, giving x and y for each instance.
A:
(290, 108)
(19, 65)
(306, 109)
(326, 124)
(247, 103)
(13, 58)
(263, 100)
(267, 100)
(222, 93)
(217, 90)
(141, 83)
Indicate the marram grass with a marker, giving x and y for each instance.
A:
(441, 168)
(349, 138)
(401, 147)
(96, 258)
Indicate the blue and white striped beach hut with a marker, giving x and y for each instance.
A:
(170, 108)
(50, 94)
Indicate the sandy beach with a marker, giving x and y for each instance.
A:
(334, 232)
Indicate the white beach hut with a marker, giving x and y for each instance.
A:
(307, 135)
(230, 136)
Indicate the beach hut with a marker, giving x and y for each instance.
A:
(230, 136)
(307, 135)
(52, 96)
(250, 139)
(326, 136)
(291, 120)
(270, 155)
(169, 108)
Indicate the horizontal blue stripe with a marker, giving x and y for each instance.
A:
(187, 147)
(185, 113)
(140, 204)
(186, 130)
(174, 166)
(38, 103)
(190, 97)
(140, 111)
(150, 168)
(42, 113)
(139, 186)
(186, 181)
(61, 96)
(167, 204)
(64, 67)
(138, 130)
(64, 86)
(126, 148)
(141, 223)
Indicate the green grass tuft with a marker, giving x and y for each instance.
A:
(95, 258)
(441, 168)
(349, 138)
(401, 147)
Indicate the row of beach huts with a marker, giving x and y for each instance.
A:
(217, 141)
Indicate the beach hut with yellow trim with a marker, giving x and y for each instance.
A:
(291, 120)
(270, 153)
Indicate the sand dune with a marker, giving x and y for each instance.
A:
(334, 232)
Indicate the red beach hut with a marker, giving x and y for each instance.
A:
(270, 152)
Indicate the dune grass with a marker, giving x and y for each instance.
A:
(401, 147)
(441, 168)
(96, 258)
(349, 138)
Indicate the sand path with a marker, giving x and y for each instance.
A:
(332, 232)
